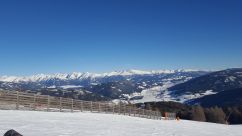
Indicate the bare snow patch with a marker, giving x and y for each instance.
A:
(157, 93)
(70, 86)
(187, 97)
(51, 87)
(230, 79)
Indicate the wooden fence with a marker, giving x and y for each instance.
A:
(29, 101)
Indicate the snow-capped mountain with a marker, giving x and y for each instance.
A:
(185, 86)
(86, 75)
(143, 78)
(107, 86)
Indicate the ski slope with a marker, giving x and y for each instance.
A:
(35, 123)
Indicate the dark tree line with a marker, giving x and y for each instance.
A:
(230, 115)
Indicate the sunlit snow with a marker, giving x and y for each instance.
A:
(34, 123)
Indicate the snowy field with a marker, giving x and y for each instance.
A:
(34, 123)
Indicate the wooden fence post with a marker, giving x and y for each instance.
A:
(147, 114)
(60, 104)
(156, 115)
(81, 106)
(113, 108)
(119, 109)
(153, 114)
(134, 109)
(99, 107)
(125, 109)
(108, 107)
(48, 103)
(137, 112)
(34, 102)
(91, 106)
(150, 114)
(105, 107)
(17, 103)
(143, 112)
(72, 105)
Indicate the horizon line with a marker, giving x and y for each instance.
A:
(144, 70)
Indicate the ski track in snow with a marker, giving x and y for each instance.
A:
(35, 123)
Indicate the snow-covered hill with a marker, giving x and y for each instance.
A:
(34, 123)
(223, 85)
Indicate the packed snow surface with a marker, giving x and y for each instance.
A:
(34, 123)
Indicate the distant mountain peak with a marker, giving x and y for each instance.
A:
(85, 75)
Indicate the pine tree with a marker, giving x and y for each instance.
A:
(197, 113)
(215, 115)
(235, 116)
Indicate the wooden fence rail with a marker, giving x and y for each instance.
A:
(29, 101)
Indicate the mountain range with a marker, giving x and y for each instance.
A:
(136, 86)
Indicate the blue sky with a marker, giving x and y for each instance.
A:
(50, 36)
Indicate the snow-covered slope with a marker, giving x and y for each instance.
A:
(33, 123)
(161, 93)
